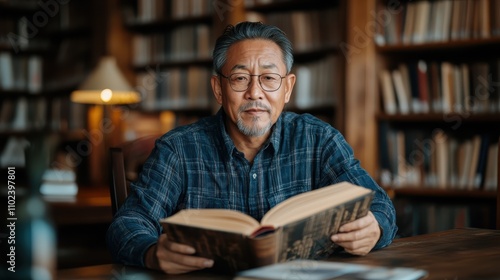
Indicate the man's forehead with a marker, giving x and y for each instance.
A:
(264, 65)
(250, 53)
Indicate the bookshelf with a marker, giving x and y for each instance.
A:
(437, 111)
(44, 54)
(171, 45)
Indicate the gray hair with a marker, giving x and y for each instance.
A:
(251, 30)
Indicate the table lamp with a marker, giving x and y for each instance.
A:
(105, 86)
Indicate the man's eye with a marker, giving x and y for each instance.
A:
(269, 78)
(240, 78)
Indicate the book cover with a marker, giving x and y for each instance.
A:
(323, 270)
(298, 228)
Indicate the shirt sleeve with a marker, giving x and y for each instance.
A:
(153, 196)
(341, 165)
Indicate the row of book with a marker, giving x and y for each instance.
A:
(441, 87)
(438, 159)
(307, 30)
(33, 30)
(416, 22)
(23, 114)
(304, 28)
(21, 73)
(177, 88)
(421, 218)
(314, 86)
(143, 11)
(183, 43)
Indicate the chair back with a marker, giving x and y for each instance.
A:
(498, 185)
(125, 165)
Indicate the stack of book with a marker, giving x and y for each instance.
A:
(59, 182)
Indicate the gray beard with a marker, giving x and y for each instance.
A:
(253, 131)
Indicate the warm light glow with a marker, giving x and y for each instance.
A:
(106, 95)
(105, 85)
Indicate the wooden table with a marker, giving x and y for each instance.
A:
(90, 206)
(452, 254)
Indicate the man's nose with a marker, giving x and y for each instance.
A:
(254, 90)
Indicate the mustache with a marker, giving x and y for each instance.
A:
(254, 104)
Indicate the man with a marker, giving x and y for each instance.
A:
(249, 157)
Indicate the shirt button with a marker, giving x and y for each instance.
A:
(254, 175)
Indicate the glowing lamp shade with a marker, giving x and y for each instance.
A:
(105, 85)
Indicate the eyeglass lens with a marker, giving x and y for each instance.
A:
(268, 82)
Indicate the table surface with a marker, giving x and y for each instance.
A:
(453, 254)
(92, 205)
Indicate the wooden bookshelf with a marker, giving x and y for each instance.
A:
(41, 65)
(458, 123)
(170, 45)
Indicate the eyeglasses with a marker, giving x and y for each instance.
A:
(241, 82)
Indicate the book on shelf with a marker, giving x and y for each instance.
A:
(422, 20)
(491, 173)
(479, 176)
(447, 86)
(409, 24)
(442, 159)
(388, 95)
(401, 91)
(324, 270)
(299, 227)
(423, 86)
(476, 146)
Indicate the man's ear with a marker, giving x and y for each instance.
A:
(289, 83)
(216, 88)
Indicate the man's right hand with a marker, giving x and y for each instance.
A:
(174, 258)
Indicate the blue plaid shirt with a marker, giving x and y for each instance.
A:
(198, 166)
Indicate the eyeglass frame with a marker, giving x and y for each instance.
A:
(258, 78)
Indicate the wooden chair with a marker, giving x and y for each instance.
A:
(498, 185)
(125, 165)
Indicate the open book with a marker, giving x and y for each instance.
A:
(299, 227)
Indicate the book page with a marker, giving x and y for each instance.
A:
(216, 219)
(308, 203)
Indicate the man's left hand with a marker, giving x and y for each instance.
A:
(360, 236)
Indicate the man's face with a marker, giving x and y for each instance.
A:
(253, 111)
